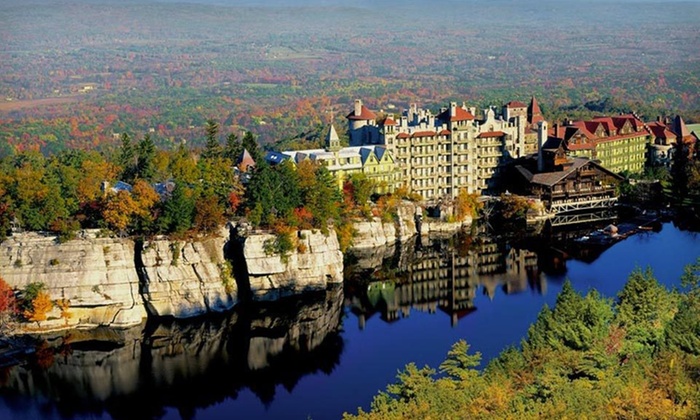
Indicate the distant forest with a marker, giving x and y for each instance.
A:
(79, 74)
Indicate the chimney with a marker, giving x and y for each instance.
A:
(541, 139)
(453, 109)
(358, 107)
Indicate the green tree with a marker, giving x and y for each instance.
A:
(250, 144)
(644, 308)
(460, 365)
(178, 211)
(145, 163)
(212, 148)
(576, 322)
(234, 148)
(125, 158)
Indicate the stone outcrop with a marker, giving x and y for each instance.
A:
(185, 279)
(96, 275)
(315, 263)
(408, 223)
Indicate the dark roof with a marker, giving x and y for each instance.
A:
(551, 178)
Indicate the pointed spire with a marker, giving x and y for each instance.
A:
(534, 113)
(332, 139)
(680, 128)
(245, 161)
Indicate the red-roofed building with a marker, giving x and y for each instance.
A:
(666, 138)
(363, 128)
(441, 154)
(619, 143)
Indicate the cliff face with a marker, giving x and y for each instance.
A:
(408, 223)
(315, 263)
(185, 279)
(96, 275)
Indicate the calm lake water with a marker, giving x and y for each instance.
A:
(330, 352)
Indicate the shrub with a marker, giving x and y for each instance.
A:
(54, 261)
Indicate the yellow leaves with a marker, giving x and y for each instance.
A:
(41, 305)
(144, 198)
(64, 305)
(640, 402)
(118, 209)
(94, 172)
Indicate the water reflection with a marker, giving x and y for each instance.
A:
(137, 373)
(446, 274)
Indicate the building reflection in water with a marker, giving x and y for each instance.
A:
(137, 373)
(446, 274)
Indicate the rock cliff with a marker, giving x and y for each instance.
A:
(315, 263)
(95, 274)
(408, 223)
(185, 279)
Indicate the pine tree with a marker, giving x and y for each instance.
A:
(125, 159)
(145, 164)
(250, 144)
(234, 148)
(212, 148)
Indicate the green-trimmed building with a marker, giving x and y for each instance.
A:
(618, 143)
(374, 161)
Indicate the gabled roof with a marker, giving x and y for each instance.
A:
(661, 131)
(365, 114)
(461, 114)
(551, 178)
(381, 152)
(365, 154)
(402, 136)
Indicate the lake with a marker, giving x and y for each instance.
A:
(330, 351)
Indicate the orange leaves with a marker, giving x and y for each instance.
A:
(8, 303)
(209, 214)
(40, 307)
(118, 209)
(304, 217)
(234, 200)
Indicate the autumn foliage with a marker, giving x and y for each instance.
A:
(39, 308)
(8, 302)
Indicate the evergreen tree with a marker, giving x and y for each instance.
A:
(234, 148)
(251, 145)
(212, 148)
(145, 163)
(644, 307)
(178, 211)
(125, 158)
